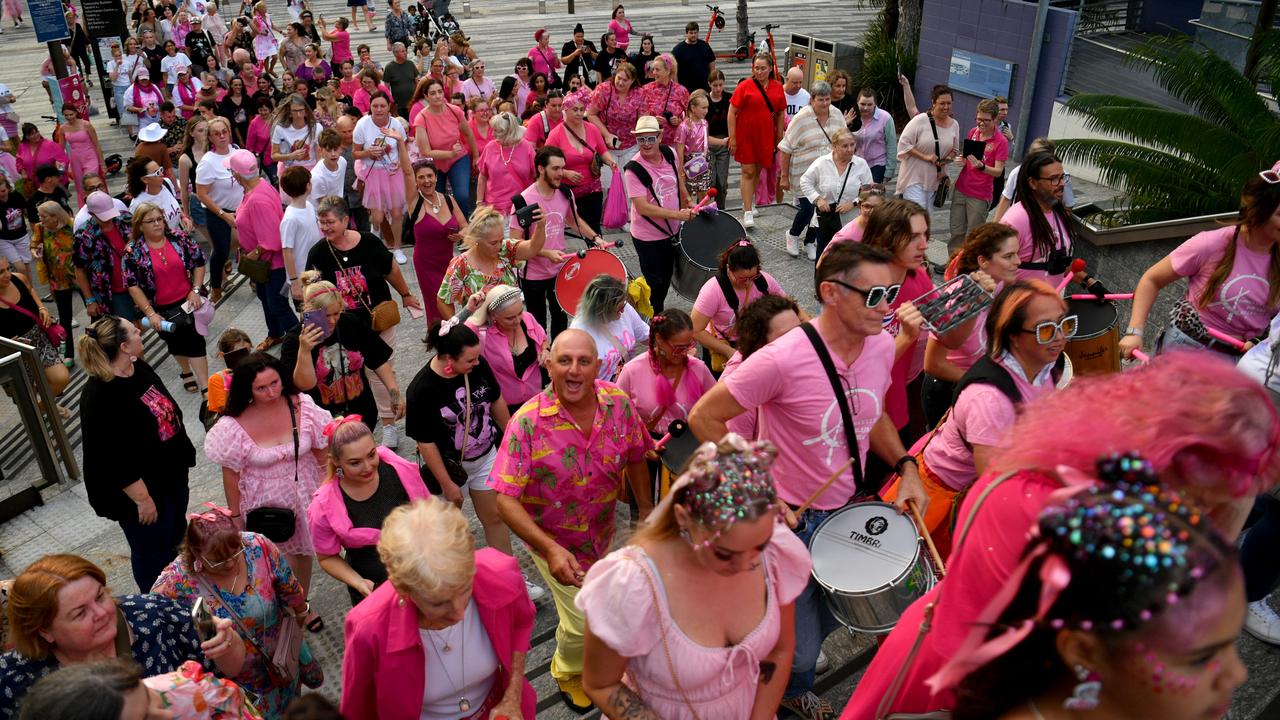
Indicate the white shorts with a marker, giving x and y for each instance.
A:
(16, 250)
(478, 471)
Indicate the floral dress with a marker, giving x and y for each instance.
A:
(270, 589)
(462, 279)
(267, 474)
(55, 267)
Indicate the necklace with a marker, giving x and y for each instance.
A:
(1031, 705)
(164, 259)
(506, 160)
(464, 705)
(434, 202)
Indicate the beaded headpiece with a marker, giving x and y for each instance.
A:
(581, 96)
(724, 483)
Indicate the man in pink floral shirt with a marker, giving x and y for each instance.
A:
(558, 475)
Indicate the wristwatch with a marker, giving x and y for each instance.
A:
(897, 467)
(1131, 330)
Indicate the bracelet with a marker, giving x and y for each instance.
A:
(1131, 330)
(902, 461)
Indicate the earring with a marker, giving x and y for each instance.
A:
(1085, 694)
(197, 566)
(448, 368)
(400, 601)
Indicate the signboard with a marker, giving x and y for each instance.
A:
(980, 75)
(73, 93)
(48, 19)
(103, 18)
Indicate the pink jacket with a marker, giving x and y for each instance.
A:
(383, 669)
(497, 352)
(331, 529)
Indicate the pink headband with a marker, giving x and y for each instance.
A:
(334, 424)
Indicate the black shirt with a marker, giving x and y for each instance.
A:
(239, 115)
(437, 406)
(694, 64)
(341, 386)
(132, 428)
(40, 197)
(581, 65)
(13, 322)
(199, 48)
(13, 217)
(718, 116)
(370, 513)
(641, 63)
(607, 62)
(360, 273)
(846, 103)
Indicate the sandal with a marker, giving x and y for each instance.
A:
(188, 382)
(315, 624)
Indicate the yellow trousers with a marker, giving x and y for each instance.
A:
(567, 662)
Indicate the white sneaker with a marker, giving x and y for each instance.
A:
(748, 219)
(536, 593)
(793, 245)
(390, 436)
(823, 664)
(811, 251)
(1262, 622)
(400, 257)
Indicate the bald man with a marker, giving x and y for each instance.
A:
(797, 96)
(346, 126)
(558, 475)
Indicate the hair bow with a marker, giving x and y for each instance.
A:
(332, 426)
(448, 325)
(215, 513)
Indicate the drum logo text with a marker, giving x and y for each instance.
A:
(572, 271)
(875, 526)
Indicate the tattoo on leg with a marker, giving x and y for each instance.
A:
(629, 705)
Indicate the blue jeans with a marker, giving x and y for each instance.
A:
(152, 547)
(877, 173)
(275, 306)
(804, 215)
(459, 177)
(220, 238)
(814, 620)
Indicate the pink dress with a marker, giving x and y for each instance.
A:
(719, 682)
(264, 45)
(431, 253)
(84, 158)
(267, 474)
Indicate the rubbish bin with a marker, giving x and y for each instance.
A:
(798, 55)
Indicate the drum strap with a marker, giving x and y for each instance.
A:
(731, 295)
(846, 416)
(647, 180)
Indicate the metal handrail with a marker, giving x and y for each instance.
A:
(37, 407)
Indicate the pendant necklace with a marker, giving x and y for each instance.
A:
(464, 705)
(507, 159)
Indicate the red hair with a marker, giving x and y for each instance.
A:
(33, 599)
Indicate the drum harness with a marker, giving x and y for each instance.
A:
(647, 180)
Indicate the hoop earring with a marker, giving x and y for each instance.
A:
(448, 368)
(1084, 696)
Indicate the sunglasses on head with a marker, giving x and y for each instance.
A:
(1271, 176)
(1046, 331)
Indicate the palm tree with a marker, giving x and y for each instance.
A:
(1172, 164)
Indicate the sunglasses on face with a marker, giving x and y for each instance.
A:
(647, 139)
(1046, 331)
(874, 295)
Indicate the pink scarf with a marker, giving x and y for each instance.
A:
(187, 95)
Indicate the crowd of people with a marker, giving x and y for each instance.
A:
(1088, 524)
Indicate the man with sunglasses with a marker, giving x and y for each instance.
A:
(93, 183)
(659, 206)
(786, 382)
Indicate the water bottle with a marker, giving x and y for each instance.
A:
(165, 325)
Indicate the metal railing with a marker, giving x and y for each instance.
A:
(1102, 17)
(23, 374)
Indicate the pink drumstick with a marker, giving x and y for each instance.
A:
(1141, 357)
(1077, 265)
(1108, 296)
(1233, 342)
(706, 201)
(657, 447)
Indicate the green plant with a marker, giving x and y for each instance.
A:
(882, 57)
(1172, 164)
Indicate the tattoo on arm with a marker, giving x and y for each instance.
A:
(629, 706)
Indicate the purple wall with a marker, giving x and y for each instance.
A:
(1000, 29)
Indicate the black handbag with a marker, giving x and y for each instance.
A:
(275, 523)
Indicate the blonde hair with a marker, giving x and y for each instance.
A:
(140, 217)
(506, 128)
(841, 134)
(319, 294)
(49, 207)
(99, 345)
(450, 565)
(345, 432)
(484, 220)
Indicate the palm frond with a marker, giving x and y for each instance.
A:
(1170, 130)
(1205, 81)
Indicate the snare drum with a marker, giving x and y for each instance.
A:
(1095, 349)
(577, 272)
(871, 562)
(702, 240)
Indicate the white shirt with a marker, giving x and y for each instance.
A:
(4, 93)
(128, 65)
(822, 180)
(795, 103)
(224, 190)
(367, 133)
(472, 672)
(324, 182)
(300, 231)
(169, 65)
(287, 139)
(625, 333)
(166, 200)
(82, 215)
(483, 89)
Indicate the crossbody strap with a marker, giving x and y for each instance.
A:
(662, 632)
(293, 421)
(846, 416)
(466, 428)
(212, 594)
(764, 94)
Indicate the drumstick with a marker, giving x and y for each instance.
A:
(600, 246)
(928, 539)
(710, 197)
(1107, 296)
(1141, 357)
(1065, 282)
(657, 447)
(800, 511)
(1077, 265)
(1233, 342)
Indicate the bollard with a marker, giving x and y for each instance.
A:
(466, 9)
(542, 7)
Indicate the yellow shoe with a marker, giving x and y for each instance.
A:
(573, 695)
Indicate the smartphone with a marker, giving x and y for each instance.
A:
(319, 318)
(202, 619)
(416, 313)
(524, 211)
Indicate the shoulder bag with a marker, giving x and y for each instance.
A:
(944, 182)
(846, 416)
(282, 664)
(595, 156)
(662, 632)
(829, 222)
(277, 524)
(55, 332)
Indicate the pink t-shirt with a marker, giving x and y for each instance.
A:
(444, 130)
(665, 185)
(911, 364)
(1240, 307)
(978, 184)
(693, 136)
(851, 232)
(340, 47)
(799, 413)
(974, 345)
(1018, 219)
(639, 380)
(981, 416)
(506, 172)
(744, 424)
(712, 303)
(621, 31)
(579, 159)
(349, 87)
(258, 139)
(538, 127)
(258, 222)
(482, 138)
(172, 282)
(361, 97)
(560, 212)
(545, 60)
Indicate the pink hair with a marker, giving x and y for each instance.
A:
(1190, 413)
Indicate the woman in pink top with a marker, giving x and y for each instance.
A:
(715, 556)
(761, 322)
(36, 150)
(1233, 277)
(506, 166)
(615, 107)
(739, 281)
(582, 142)
(620, 26)
(363, 483)
(399, 662)
(479, 114)
(868, 200)
(348, 82)
(665, 382)
(513, 343)
(664, 98)
(989, 255)
(86, 151)
(258, 138)
(1217, 445)
(442, 134)
(544, 57)
(370, 82)
(958, 452)
(340, 40)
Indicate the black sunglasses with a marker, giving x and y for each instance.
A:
(873, 295)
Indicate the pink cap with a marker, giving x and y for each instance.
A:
(101, 205)
(142, 73)
(179, 69)
(242, 162)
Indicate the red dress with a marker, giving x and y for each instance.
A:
(755, 124)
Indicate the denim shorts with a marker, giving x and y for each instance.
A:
(195, 208)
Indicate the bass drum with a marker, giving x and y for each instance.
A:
(577, 272)
(1095, 349)
(702, 240)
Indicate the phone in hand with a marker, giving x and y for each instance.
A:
(524, 211)
(202, 619)
(416, 313)
(320, 319)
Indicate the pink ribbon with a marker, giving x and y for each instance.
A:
(214, 514)
(332, 426)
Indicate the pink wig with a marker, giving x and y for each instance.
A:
(1202, 424)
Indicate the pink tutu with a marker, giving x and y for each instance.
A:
(383, 190)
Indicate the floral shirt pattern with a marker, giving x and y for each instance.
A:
(672, 98)
(619, 114)
(137, 261)
(92, 253)
(566, 480)
(54, 267)
(270, 589)
(461, 278)
(163, 639)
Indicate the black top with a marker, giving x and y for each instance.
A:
(239, 115)
(846, 103)
(526, 358)
(607, 62)
(13, 217)
(360, 273)
(641, 62)
(40, 197)
(694, 64)
(371, 513)
(15, 323)
(340, 360)
(132, 428)
(581, 65)
(437, 405)
(199, 48)
(718, 116)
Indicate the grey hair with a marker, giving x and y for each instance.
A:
(821, 88)
(506, 128)
(82, 691)
(398, 46)
(331, 205)
(599, 303)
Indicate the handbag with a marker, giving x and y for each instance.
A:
(383, 316)
(256, 269)
(595, 156)
(457, 473)
(944, 184)
(55, 332)
(829, 222)
(277, 524)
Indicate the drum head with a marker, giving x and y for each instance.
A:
(578, 272)
(863, 547)
(703, 238)
(1068, 372)
(1095, 317)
